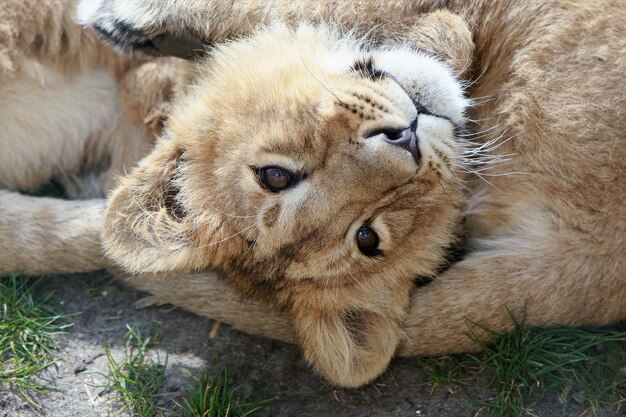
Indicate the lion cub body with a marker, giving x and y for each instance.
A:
(546, 223)
(70, 109)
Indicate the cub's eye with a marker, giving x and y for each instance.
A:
(367, 241)
(275, 178)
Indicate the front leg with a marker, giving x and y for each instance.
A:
(152, 25)
(545, 280)
(147, 25)
(207, 294)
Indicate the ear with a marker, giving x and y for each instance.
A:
(447, 36)
(146, 224)
(350, 348)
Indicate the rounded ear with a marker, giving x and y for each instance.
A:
(349, 348)
(447, 36)
(146, 227)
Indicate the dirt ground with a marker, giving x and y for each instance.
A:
(265, 367)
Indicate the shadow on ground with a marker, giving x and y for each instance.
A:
(265, 367)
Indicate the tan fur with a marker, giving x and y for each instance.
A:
(70, 109)
(347, 335)
(547, 227)
(195, 201)
(547, 232)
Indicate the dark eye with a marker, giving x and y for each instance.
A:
(367, 241)
(275, 178)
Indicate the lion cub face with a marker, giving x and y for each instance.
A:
(317, 175)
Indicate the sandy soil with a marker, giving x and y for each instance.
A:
(263, 366)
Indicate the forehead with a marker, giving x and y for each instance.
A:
(277, 73)
(289, 116)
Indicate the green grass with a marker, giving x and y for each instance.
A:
(136, 381)
(215, 396)
(28, 323)
(443, 370)
(588, 365)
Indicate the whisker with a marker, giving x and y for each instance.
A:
(479, 101)
(317, 79)
(458, 73)
(503, 174)
(356, 281)
(479, 133)
(229, 237)
(471, 82)
(445, 191)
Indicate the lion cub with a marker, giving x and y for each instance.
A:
(74, 110)
(546, 228)
(318, 175)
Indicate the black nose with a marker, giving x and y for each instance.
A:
(404, 138)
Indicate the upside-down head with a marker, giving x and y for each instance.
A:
(318, 175)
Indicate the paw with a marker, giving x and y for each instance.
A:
(136, 25)
(123, 25)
